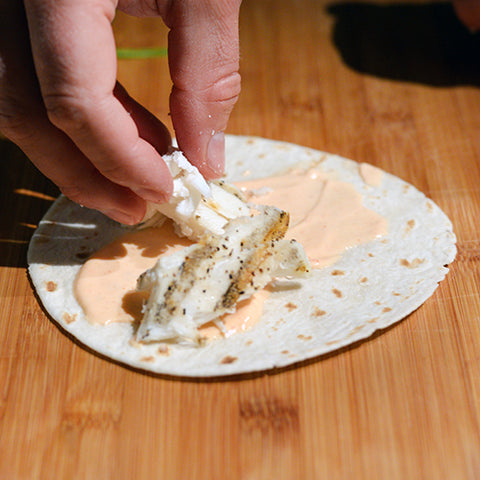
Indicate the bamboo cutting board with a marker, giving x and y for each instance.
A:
(395, 85)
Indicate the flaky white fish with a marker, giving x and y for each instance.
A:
(196, 206)
(206, 280)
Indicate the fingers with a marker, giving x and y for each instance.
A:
(25, 123)
(468, 11)
(150, 128)
(75, 60)
(24, 120)
(59, 159)
(204, 61)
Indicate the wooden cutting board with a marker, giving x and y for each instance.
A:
(395, 85)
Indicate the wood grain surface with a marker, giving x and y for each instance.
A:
(395, 85)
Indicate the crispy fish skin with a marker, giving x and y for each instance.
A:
(208, 279)
(259, 247)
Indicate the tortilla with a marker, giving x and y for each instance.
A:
(380, 282)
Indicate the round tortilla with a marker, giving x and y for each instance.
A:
(371, 287)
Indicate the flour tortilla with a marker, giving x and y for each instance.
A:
(371, 287)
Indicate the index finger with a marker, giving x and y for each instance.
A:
(75, 60)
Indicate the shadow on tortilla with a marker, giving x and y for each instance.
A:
(25, 195)
(422, 43)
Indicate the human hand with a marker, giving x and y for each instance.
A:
(468, 11)
(61, 103)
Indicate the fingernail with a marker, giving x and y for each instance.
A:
(121, 217)
(216, 153)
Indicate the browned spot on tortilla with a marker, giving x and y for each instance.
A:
(371, 254)
(406, 188)
(290, 306)
(163, 350)
(364, 280)
(429, 206)
(67, 317)
(373, 320)
(147, 359)
(304, 337)
(338, 272)
(269, 415)
(317, 312)
(413, 264)
(378, 303)
(333, 342)
(228, 359)
(285, 352)
(51, 286)
(386, 310)
(337, 292)
(397, 294)
(249, 342)
(409, 227)
(250, 141)
(355, 330)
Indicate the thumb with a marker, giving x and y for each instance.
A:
(204, 62)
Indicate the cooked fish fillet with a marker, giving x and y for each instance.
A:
(206, 280)
(196, 206)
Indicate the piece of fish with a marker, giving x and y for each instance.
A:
(206, 280)
(196, 206)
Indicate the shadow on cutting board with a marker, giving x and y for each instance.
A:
(418, 43)
(25, 195)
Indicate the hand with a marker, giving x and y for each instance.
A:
(468, 12)
(61, 103)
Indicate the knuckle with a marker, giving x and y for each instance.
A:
(115, 173)
(224, 90)
(66, 112)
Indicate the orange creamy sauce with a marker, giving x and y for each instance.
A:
(326, 217)
(105, 285)
(370, 174)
